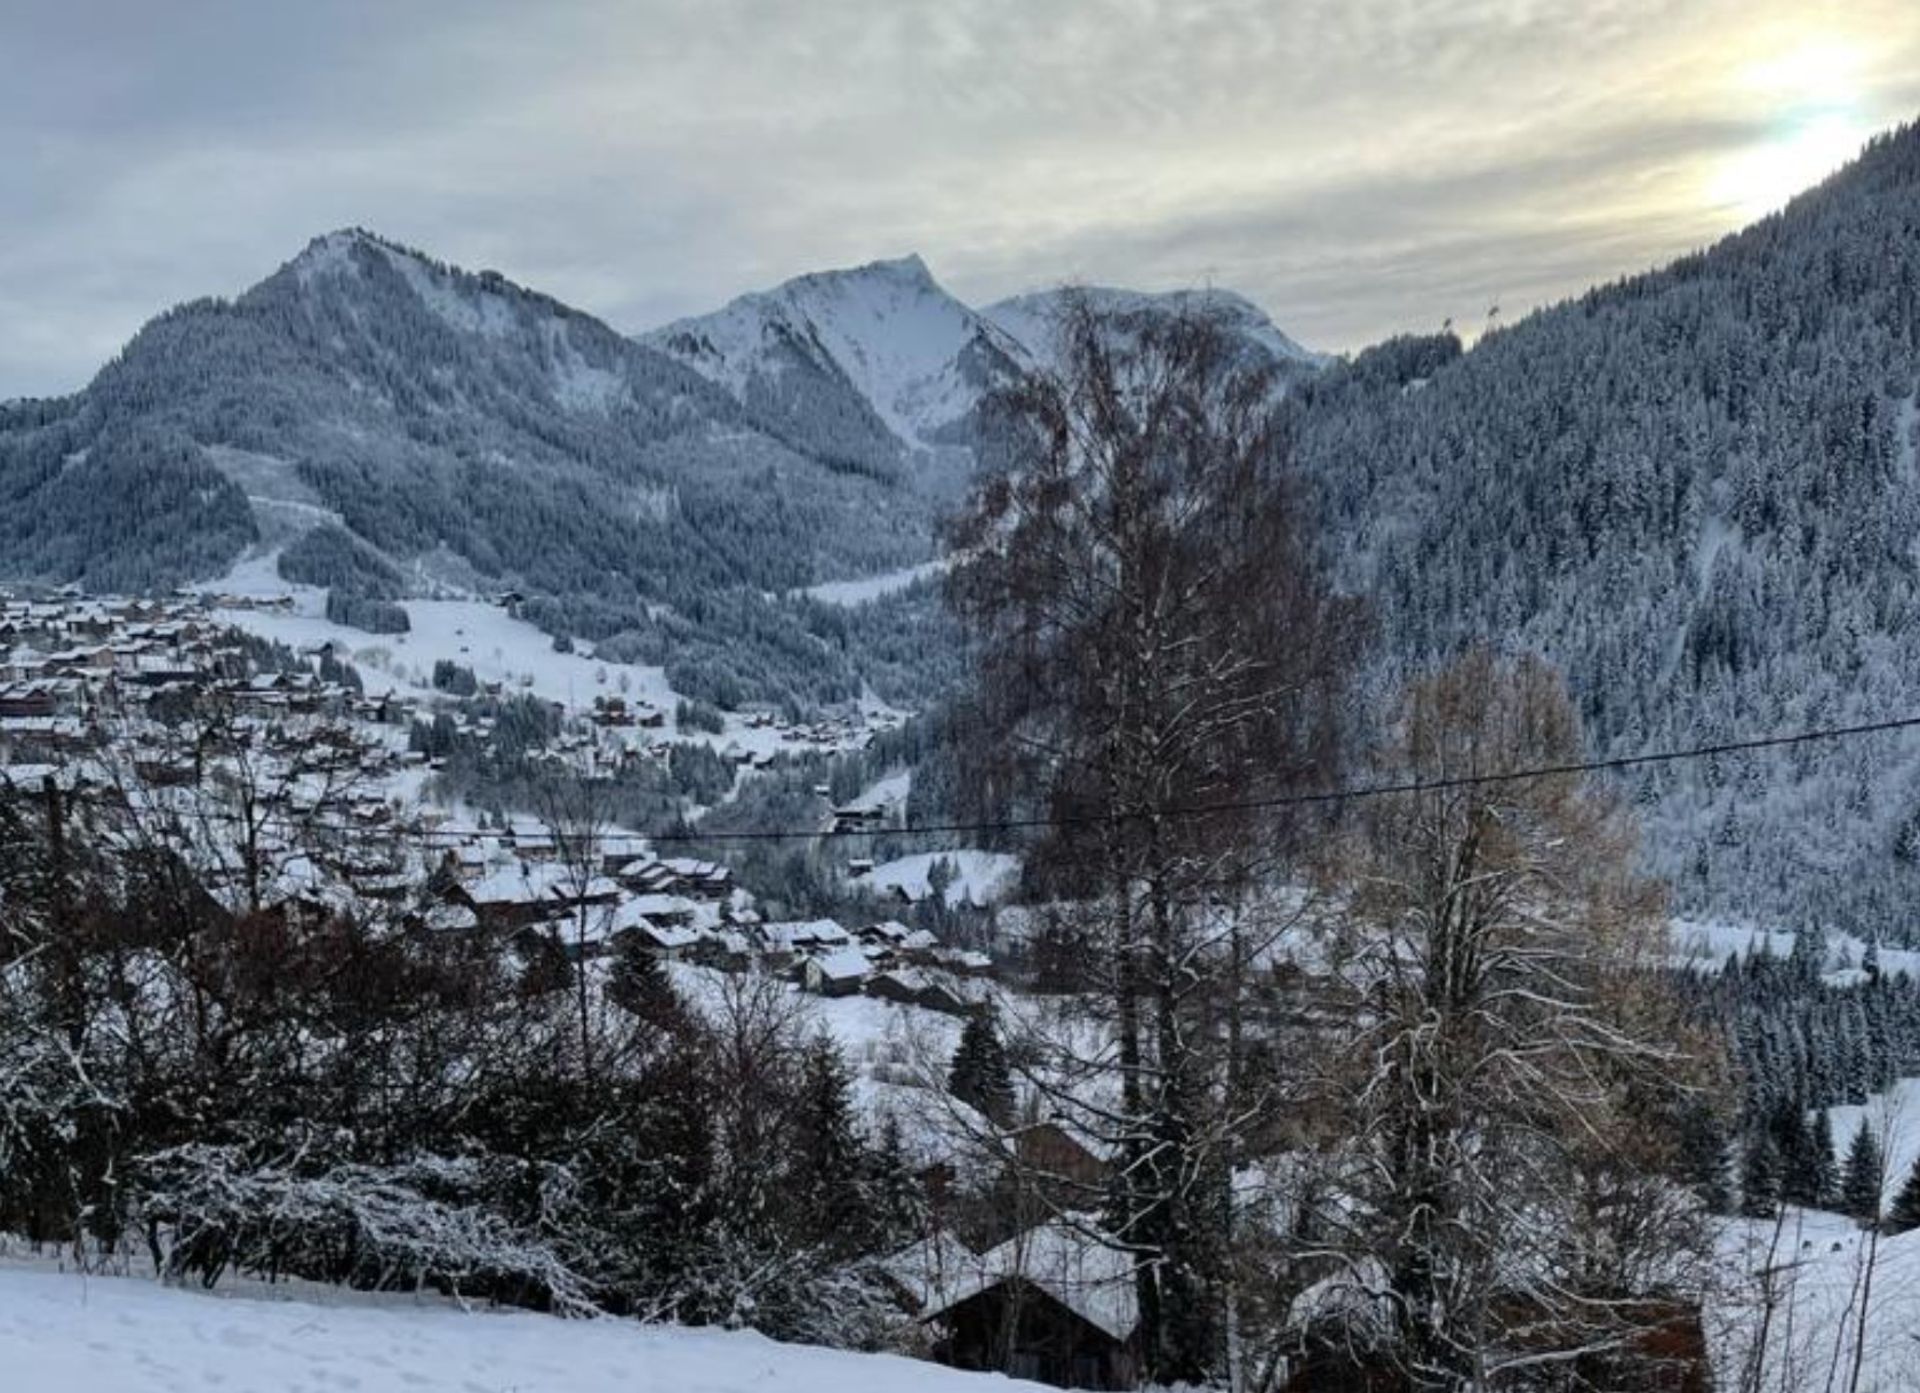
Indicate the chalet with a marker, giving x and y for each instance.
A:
(805, 936)
(1056, 1303)
(1056, 1150)
(25, 700)
(902, 986)
(446, 917)
(966, 962)
(704, 879)
(859, 817)
(919, 946)
(43, 736)
(727, 950)
(837, 973)
(646, 876)
(619, 850)
(667, 942)
(952, 998)
(674, 911)
(512, 897)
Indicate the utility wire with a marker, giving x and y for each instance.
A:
(446, 838)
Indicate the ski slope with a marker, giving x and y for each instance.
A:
(59, 1331)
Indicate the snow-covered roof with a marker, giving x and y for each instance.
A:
(1075, 1264)
(843, 965)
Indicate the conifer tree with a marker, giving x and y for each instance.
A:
(1760, 1177)
(980, 1076)
(828, 1164)
(1703, 1158)
(1860, 1186)
(1904, 1213)
(639, 983)
(1826, 1168)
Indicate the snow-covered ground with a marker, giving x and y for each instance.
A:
(900, 1039)
(471, 632)
(1819, 1264)
(980, 877)
(59, 1331)
(1709, 942)
(1894, 1117)
(486, 638)
(859, 591)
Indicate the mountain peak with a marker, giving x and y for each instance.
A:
(908, 273)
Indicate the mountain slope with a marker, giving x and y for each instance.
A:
(1030, 320)
(877, 361)
(873, 361)
(1696, 491)
(459, 430)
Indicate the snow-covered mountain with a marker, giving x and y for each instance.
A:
(1030, 320)
(882, 341)
(885, 344)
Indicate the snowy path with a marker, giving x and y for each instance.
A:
(127, 1335)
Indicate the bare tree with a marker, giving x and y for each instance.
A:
(1512, 1049)
(1157, 652)
(575, 811)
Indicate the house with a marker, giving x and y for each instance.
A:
(669, 942)
(838, 973)
(804, 936)
(672, 910)
(903, 986)
(1053, 1149)
(859, 817)
(967, 962)
(513, 896)
(1057, 1303)
(919, 1276)
(727, 950)
(953, 998)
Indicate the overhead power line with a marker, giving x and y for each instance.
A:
(1354, 792)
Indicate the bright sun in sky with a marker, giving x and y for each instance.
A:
(1810, 90)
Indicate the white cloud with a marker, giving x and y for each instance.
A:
(1358, 167)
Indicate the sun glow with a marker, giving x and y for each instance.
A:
(1759, 181)
(1808, 92)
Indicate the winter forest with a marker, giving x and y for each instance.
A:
(1072, 839)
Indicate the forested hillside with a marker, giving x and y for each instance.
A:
(466, 431)
(1696, 492)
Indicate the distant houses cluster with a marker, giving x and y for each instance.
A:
(682, 909)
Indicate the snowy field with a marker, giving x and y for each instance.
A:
(865, 588)
(473, 633)
(129, 1335)
(980, 877)
(1820, 1267)
(1894, 1117)
(1708, 943)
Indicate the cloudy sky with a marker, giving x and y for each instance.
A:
(1357, 166)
